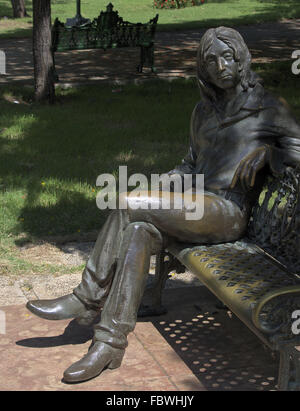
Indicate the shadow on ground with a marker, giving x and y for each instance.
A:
(217, 347)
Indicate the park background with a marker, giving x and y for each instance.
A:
(51, 155)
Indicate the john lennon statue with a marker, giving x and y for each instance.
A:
(237, 131)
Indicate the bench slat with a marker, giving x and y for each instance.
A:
(240, 276)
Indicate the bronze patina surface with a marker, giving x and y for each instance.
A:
(239, 132)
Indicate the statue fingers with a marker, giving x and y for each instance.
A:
(237, 175)
(245, 176)
(235, 178)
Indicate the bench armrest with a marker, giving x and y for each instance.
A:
(273, 313)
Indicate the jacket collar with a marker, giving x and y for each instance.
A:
(246, 103)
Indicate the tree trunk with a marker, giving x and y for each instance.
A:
(42, 54)
(19, 10)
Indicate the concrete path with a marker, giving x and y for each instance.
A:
(174, 55)
(195, 347)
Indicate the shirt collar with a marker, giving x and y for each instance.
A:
(250, 100)
(247, 103)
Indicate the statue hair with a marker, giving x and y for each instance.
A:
(235, 41)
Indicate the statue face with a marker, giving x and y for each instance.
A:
(222, 69)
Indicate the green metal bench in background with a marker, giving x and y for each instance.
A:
(109, 30)
(257, 277)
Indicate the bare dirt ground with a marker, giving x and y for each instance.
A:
(175, 55)
(51, 283)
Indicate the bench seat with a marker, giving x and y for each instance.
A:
(244, 278)
(257, 277)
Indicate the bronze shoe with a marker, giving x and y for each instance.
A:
(98, 357)
(68, 306)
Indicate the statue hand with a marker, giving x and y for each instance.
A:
(170, 180)
(249, 167)
(174, 172)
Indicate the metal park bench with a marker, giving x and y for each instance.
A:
(257, 277)
(109, 30)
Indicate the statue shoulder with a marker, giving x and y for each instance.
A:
(277, 104)
(200, 110)
(198, 115)
(280, 114)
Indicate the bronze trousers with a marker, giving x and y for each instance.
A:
(115, 276)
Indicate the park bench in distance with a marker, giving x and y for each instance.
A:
(109, 30)
(257, 277)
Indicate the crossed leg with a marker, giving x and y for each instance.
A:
(115, 275)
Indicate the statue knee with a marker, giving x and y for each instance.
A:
(136, 227)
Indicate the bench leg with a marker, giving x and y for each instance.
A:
(289, 369)
(142, 59)
(147, 55)
(151, 303)
(150, 57)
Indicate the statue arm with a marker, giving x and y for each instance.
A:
(250, 166)
(281, 150)
(286, 150)
(188, 163)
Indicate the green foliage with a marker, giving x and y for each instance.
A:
(211, 13)
(50, 157)
(176, 4)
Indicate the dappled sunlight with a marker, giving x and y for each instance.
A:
(9, 24)
(13, 99)
(218, 349)
(211, 13)
(50, 158)
(174, 56)
(125, 157)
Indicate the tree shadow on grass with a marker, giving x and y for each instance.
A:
(18, 32)
(6, 8)
(51, 171)
(266, 14)
(91, 131)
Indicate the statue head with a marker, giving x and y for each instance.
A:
(223, 62)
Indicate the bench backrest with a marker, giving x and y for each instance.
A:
(275, 220)
(108, 19)
(107, 30)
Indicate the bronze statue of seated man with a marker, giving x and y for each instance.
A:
(237, 131)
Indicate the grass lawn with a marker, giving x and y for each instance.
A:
(50, 157)
(211, 13)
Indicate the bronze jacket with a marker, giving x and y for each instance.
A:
(220, 140)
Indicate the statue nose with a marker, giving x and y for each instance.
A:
(221, 64)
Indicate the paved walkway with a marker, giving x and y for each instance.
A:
(195, 347)
(174, 55)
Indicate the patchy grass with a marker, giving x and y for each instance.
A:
(50, 157)
(211, 13)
